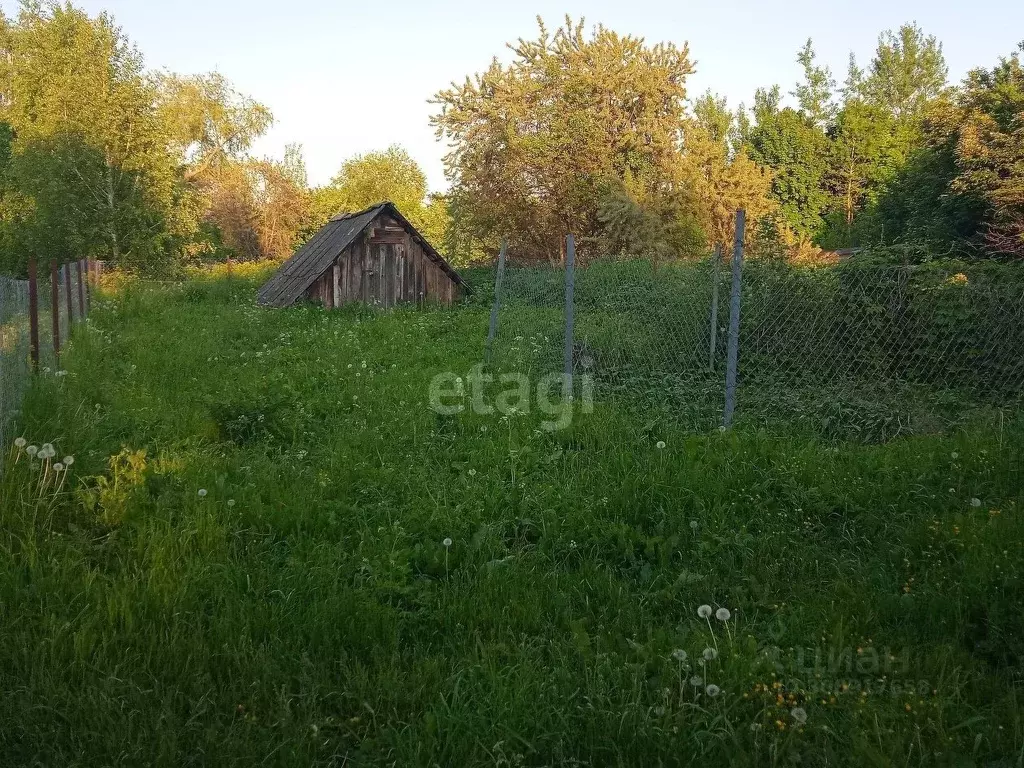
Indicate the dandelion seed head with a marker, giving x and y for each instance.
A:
(660, 445)
(472, 472)
(231, 502)
(693, 524)
(58, 467)
(20, 442)
(679, 655)
(722, 614)
(712, 690)
(32, 450)
(69, 460)
(710, 654)
(975, 502)
(799, 714)
(696, 681)
(704, 611)
(202, 493)
(447, 542)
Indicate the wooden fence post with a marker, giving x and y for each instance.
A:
(732, 353)
(33, 314)
(715, 269)
(55, 308)
(81, 290)
(570, 286)
(492, 329)
(67, 294)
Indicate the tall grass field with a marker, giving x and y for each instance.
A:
(268, 549)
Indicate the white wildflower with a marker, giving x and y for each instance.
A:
(472, 472)
(660, 445)
(704, 611)
(722, 614)
(447, 542)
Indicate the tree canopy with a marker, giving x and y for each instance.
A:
(583, 130)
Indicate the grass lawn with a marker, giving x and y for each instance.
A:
(246, 564)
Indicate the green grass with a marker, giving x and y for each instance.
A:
(305, 611)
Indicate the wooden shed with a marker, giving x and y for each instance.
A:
(374, 256)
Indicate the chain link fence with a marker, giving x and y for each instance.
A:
(854, 349)
(61, 298)
(14, 354)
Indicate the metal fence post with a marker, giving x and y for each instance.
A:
(496, 307)
(33, 314)
(570, 278)
(732, 353)
(55, 308)
(715, 268)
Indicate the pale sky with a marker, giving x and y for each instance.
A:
(344, 78)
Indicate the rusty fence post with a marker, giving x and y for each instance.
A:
(55, 309)
(33, 314)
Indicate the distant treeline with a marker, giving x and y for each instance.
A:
(585, 132)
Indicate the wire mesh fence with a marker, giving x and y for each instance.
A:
(14, 352)
(36, 315)
(861, 341)
(531, 323)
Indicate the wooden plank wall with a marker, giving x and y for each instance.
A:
(384, 268)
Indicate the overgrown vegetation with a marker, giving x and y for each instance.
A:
(268, 548)
(589, 132)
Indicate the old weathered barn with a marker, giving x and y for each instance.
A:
(375, 256)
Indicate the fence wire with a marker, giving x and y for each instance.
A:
(59, 305)
(531, 324)
(813, 341)
(14, 353)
